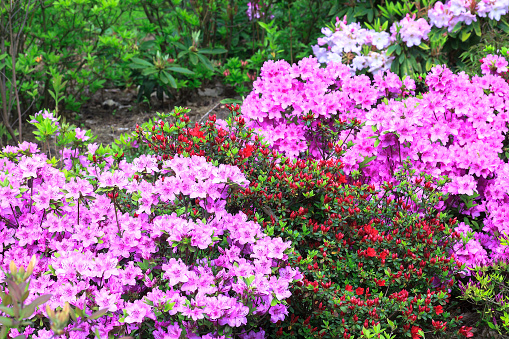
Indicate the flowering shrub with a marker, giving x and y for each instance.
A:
(255, 10)
(350, 241)
(347, 41)
(456, 128)
(365, 257)
(457, 11)
(149, 241)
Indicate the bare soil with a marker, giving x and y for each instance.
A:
(112, 112)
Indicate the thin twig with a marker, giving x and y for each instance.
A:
(210, 110)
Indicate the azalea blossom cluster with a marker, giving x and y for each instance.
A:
(411, 31)
(169, 255)
(304, 91)
(456, 129)
(348, 41)
(465, 11)
(493, 64)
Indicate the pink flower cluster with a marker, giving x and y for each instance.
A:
(456, 11)
(493, 64)
(352, 39)
(180, 263)
(456, 129)
(285, 95)
(412, 31)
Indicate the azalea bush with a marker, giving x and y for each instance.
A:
(150, 241)
(359, 249)
(456, 128)
(341, 230)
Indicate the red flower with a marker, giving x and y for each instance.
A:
(195, 132)
(465, 331)
(439, 310)
(370, 252)
(439, 325)
(415, 332)
(349, 288)
(359, 291)
(247, 151)
(380, 282)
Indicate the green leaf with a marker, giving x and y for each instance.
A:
(457, 28)
(429, 64)
(140, 63)
(395, 67)
(391, 49)
(6, 321)
(249, 280)
(213, 51)
(14, 291)
(504, 26)
(29, 310)
(205, 61)
(231, 101)
(193, 58)
(477, 28)
(464, 35)
(274, 302)
(98, 314)
(424, 46)
(169, 79)
(404, 68)
(7, 310)
(367, 161)
(180, 70)
(149, 71)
